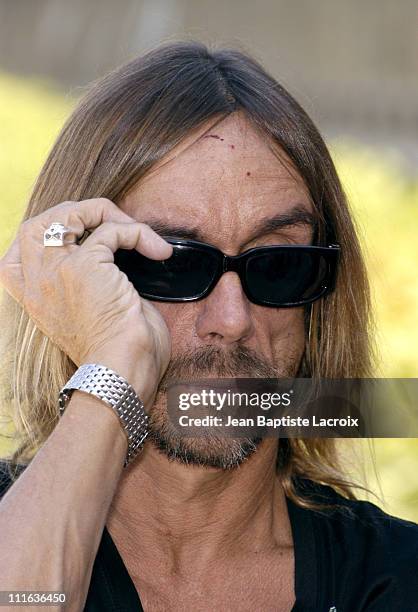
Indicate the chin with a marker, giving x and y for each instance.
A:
(207, 450)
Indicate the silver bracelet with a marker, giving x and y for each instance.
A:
(107, 385)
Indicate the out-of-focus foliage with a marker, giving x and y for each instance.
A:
(384, 199)
(385, 202)
(31, 115)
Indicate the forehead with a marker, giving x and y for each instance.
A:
(222, 178)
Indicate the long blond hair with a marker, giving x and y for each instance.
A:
(127, 122)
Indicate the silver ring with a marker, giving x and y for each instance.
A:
(55, 235)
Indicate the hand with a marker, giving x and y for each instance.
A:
(79, 298)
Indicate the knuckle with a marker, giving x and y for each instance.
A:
(67, 204)
(64, 211)
(98, 232)
(73, 218)
(26, 226)
(106, 203)
(105, 227)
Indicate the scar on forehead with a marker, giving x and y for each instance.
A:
(231, 146)
(213, 136)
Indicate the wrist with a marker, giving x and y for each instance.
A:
(114, 390)
(139, 372)
(86, 406)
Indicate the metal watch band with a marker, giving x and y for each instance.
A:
(108, 386)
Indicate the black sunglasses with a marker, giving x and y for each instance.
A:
(282, 276)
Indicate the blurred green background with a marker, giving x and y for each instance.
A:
(384, 198)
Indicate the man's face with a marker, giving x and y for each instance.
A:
(221, 187)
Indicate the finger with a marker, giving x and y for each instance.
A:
(27, 254)
(139, 236)
(77, 216)
(86, 214)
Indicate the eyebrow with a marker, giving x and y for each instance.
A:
(296, 216)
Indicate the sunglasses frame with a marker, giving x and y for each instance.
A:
(237, 263)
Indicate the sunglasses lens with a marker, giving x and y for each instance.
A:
(185, 275)
(286, 277)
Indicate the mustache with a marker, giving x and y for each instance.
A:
(240, 361)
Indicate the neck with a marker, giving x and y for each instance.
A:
(191, 516)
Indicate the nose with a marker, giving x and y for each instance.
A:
(224, 316)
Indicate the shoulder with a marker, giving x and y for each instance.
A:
(360, 520)
(8, 474)
(370, 544)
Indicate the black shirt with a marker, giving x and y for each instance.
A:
(352, 558)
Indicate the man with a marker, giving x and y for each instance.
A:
(204, 147)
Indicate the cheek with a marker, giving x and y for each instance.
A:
(286, 328)
(179, 319)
